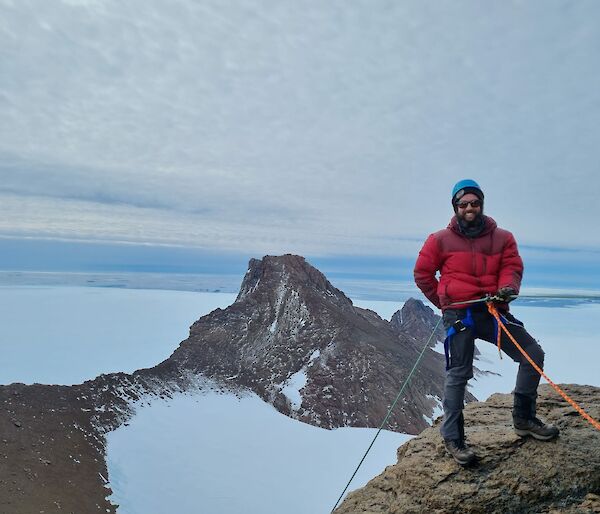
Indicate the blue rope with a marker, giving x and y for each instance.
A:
(388, 414)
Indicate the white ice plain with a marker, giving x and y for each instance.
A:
(65, 335)
(220, 454)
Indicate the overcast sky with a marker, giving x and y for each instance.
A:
(319, 128)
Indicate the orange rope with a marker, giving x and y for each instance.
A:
(498, 335)
(494, 312)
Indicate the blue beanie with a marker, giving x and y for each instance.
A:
(463, 187)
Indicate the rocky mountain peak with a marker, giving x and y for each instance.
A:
(274, 275)
(301, 344)
(417, 320)
(414, 312)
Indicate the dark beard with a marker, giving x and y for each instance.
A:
(471, 228)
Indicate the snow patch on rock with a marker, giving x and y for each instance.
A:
(293, 386)
(439, 347)
(438, 410)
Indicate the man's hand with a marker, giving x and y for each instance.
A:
(506, 294)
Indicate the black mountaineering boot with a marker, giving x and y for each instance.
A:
(459, 451)
(535, 428)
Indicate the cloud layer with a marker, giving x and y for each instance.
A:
(270, 126)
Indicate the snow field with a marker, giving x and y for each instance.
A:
(220, 454)
(66, 335)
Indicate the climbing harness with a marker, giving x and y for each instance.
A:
(468, 322)
(458, 326)
(389, 412)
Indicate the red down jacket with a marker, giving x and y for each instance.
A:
(469, 268)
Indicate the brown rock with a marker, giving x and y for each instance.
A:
(512, 475)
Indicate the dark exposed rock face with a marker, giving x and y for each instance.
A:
(288, 330)
(513, 474)
(52, 456)
(290, 324)
(416, 320)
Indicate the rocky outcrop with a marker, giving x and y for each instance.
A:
(52, 454)
(512, 474)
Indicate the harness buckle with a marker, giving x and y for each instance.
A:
(459, 326)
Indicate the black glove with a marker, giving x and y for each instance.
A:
(506, 294)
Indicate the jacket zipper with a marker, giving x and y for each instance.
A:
(474, 264)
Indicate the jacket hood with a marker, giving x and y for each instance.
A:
(489, 225)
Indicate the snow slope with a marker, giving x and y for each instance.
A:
(220, 454)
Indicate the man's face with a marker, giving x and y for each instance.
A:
(465, 210)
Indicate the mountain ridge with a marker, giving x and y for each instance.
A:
(290, 336)
(287, 318)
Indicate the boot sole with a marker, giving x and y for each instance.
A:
(525, 433)
(463, 462)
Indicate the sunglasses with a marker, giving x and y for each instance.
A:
(472, 203)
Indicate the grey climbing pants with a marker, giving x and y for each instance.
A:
(461, 348)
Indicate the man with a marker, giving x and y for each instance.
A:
(475, 258)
